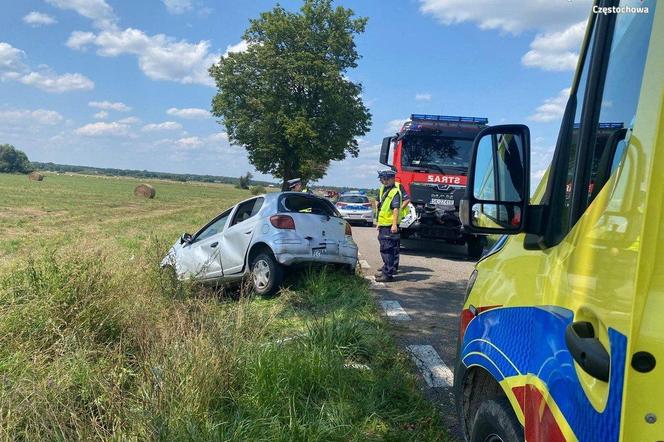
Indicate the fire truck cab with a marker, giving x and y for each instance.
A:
(430, 155)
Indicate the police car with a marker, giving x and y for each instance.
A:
(355, 207)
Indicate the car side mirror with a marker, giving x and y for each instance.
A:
(498, 190)
(186, 238)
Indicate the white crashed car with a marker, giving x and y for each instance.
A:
(262, 236)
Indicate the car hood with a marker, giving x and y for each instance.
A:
(170, 257)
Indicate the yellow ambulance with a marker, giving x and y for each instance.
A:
(562, 330)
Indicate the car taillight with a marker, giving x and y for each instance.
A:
(367, 205)
(341, 204)
(349, 231)
(282, 222)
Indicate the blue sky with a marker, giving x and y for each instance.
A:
(124, 84)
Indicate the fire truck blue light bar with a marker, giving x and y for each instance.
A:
(450, 118)
(604, 125)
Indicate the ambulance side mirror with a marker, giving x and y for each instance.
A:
(498, 189)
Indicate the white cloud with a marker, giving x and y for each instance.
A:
(98, 11)
(159, 57)
(560, 25)
(178, 6)
(423, 97)
(129, 120)
(103, 129)
(11, 61)
(12, 68)
(36, 19)
(22, 116)
(166, 125)
(189, 143)
(218, 137)
(188, 113)
(109, 105)
(552, 108)
(79, 40)
(508, 15)
(238, 47)
(394, 126)
(52, 82)
(101, 115)
(556, 51)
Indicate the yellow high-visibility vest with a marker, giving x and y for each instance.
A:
(403, 211)
(385, 212)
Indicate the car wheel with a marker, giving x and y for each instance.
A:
(495, 422)
(475, 246)
(266, 274)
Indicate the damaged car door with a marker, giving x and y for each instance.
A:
(200, 258)
(237, 236)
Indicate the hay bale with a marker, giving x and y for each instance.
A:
(145, 191)
(35, 176)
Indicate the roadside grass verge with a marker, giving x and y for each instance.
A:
(95, 345)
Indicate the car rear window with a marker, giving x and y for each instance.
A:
(305, 203)
(354, 199)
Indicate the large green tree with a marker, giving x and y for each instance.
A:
(287, 98)
(13, 160)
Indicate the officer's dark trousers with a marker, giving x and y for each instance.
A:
(389, 250)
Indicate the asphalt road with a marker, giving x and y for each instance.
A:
(429, 288)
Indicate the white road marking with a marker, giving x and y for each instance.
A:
(372, 280)
(364, 264)
(357, 366)
(394, 311)
(435, 372)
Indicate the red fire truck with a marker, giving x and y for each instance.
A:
(430, 155)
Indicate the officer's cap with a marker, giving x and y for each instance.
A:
(388, 173)
(292, 183)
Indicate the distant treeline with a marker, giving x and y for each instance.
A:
(88, 170)
(64, 168)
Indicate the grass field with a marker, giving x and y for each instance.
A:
(97, 343)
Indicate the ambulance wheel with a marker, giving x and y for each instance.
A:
(266, 274)
(495, 422)
(475, 245)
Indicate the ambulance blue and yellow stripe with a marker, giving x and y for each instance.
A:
(524, 349)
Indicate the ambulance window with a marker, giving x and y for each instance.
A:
(622, 86)
(618, 156)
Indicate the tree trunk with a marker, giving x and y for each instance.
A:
(291, 166)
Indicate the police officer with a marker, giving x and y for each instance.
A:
(295, 185)
(389, 218)
(404, 211)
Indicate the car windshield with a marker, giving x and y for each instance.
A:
(435, 153)
(354, 199)
(304, 203)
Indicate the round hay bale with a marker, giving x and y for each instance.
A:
(145, 191)
(35, 176)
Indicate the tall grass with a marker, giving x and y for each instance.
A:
(96, 346)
